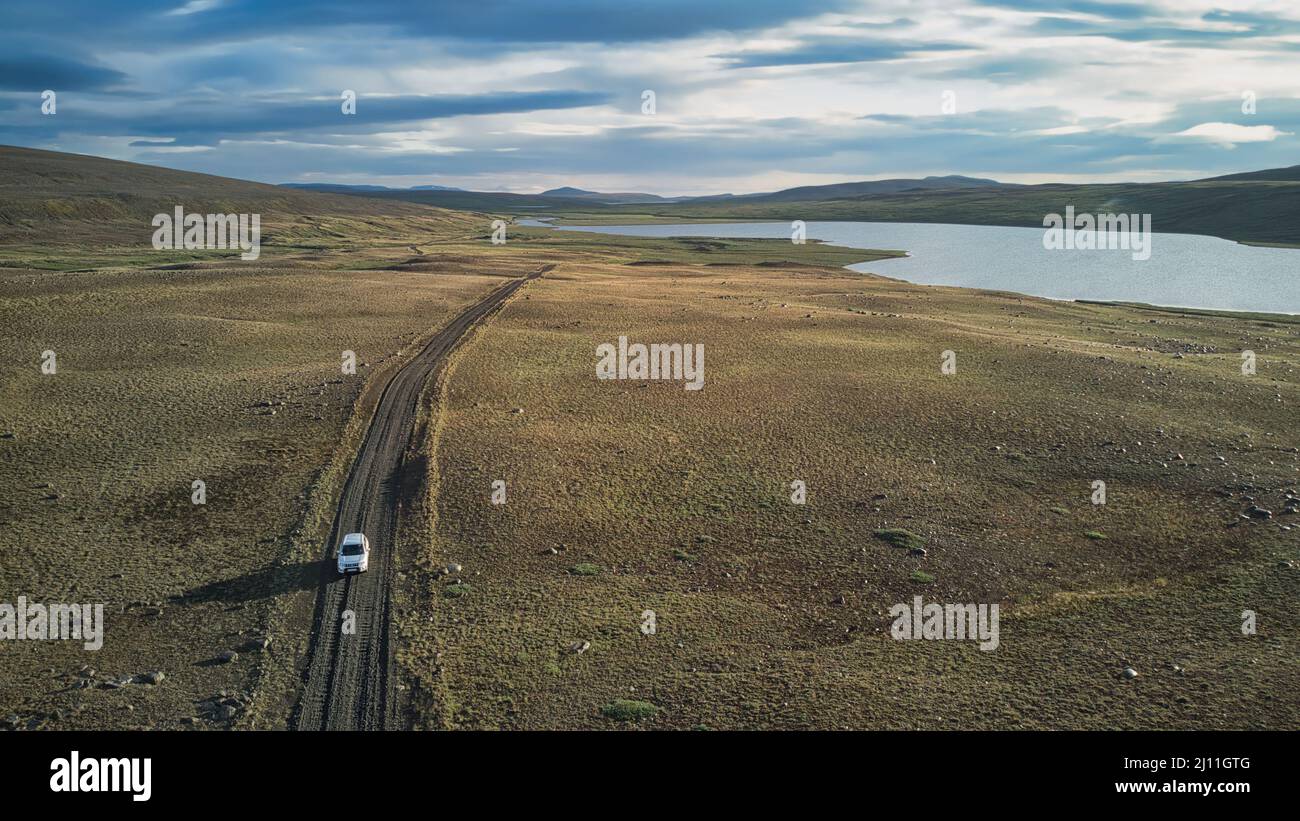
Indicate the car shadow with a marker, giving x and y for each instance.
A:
(273, 580)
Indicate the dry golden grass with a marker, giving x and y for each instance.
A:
(162, 379)
(776, 615)
(167, 361)
(654, 498)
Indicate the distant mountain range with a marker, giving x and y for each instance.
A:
(845, 190)
(579, 194)
(95, 196)
(805, 193)
(1257, 206)
(340, 188)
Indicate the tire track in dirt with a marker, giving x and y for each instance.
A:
(349, 682)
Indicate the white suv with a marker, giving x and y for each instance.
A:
(354, 553)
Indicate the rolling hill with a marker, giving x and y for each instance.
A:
(1259, 210)
(571, 196)
(1260, 207)
(846, 190)
(1289, 174)
(91, 196)
(342, 188)
(569, 192)
(58, 198)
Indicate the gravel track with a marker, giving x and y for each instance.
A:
(349, 681)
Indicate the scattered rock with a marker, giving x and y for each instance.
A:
(1257, 512)
(227, 657)
(221, 707)
(1130, 673)
(151, 677)
(579, 647)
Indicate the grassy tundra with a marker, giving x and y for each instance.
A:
(624, 497)
(627, 497)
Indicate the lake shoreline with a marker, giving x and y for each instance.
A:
(1011, 256)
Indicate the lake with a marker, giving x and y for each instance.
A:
(1184, 270)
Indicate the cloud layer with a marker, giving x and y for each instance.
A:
(748, 96)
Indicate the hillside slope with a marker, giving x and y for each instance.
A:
(1259, 207)
(845, 190)
(1288, 174)
(1262, 211)
(58, 198)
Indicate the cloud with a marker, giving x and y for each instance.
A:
(514, 93)
(1026, 67)
(144, 22)
(37, 72)
(207, 121)
(1230, 134)
(1217, 29)
(824, 50)
(194, 7)
(1255, 24)
(1107, 10)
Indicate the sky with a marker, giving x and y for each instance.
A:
(751, 95)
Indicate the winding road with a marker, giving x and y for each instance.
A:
(349, 681)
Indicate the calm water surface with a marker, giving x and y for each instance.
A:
(1184, 270)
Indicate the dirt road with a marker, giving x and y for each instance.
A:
(349, 682)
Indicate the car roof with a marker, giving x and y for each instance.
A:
(354, 538)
